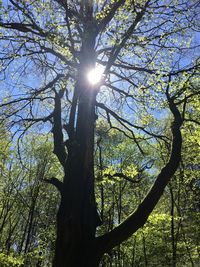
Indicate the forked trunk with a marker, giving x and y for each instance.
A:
(77, 217)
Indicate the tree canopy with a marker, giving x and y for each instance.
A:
(93, 74)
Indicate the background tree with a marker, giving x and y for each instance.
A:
(140, 50)
(28, 206)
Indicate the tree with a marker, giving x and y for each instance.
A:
(48, 50)
(28, 206)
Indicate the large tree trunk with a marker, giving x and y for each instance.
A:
(77, 217)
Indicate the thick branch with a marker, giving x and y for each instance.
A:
(23, 28)
(139, 217)
(117, 48)
(58, 55)
(59, 148)
(54, 181)
(113, 8)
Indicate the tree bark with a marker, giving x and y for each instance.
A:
(77, 217)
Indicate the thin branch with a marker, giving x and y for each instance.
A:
(193, 120)
(123, 176)
(120, 120)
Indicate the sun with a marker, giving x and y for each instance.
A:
(95, 75)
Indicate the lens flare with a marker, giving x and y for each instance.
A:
(95, 75)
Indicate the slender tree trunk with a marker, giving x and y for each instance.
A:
(10, 233)
(133, 252)
(24, 227)
(144, 250)
(173, 237)
(31, 219)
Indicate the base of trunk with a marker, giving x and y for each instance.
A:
(84, 257)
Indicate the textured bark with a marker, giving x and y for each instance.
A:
(77, 217)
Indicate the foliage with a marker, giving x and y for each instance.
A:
(132, 137)
(10, 261)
